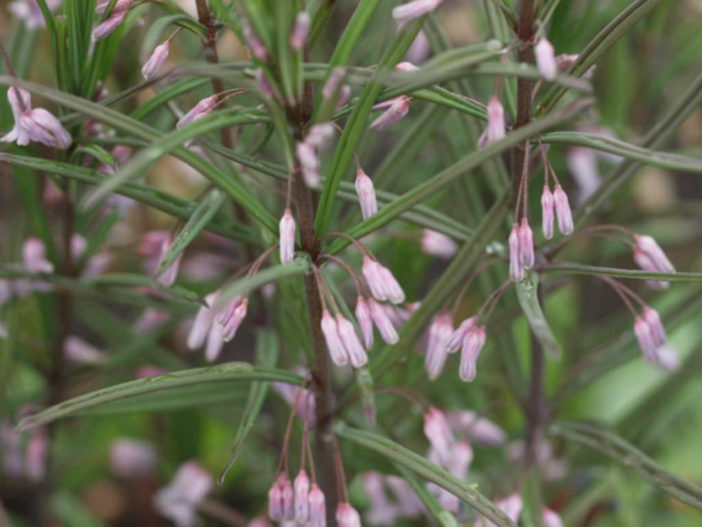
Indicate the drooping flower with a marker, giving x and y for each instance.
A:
(526, 244)
(495, 129)
(551, 518)
(420, 49)
(365, 322)
(547, 212)
(382, 283)
(203, 108)
(382, 510)
(275, 501)
(287, 237)
(179, 500)
(309, 163)
(649, 256)
(156, 60)
(366, 194)
(257, 47)
(330, 330)
(410, 504)
(80, 351)
(411, 10)
(473, 344)
(382, 322)
(440, 332)
(230, 325)
(301, 489)
(438, 244)
(563, 212)
(34, 257)
(477, 429)
(347, 516)
(354, 350)
(396, 109)
(545, 59)
(512, 506)
(109, 25)
(516, 268)
(318, 512)
(456, 341)
(34, 124)
(438, 433)
(300, 31)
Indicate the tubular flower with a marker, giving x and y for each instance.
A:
(155, 61)
(366, 194)
(473, 344)
(397, 108)
(440, 333)
(649, 256)
(34, 124)
(547, 212)
(335, 345)
(545, 59)
(495, 129)
(287, 237)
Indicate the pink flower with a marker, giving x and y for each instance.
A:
(130, 458)
(300, 31)
(420, 49)
(309, 163)
(106, 28)
(275, 501)
(347, 516)
(150, 320)
(477, 429)
(168, 275)
(382, 322)
(547, 212)
(257, 47)
(34, 124)
(410, 505)
(545, 59)
(336, 348)
(36, 455)
(397, 108)
(30, 13)
(318, 512)
(551, 518)
(287, 497)
(516, 268)
(456, 341)
(563, 213)
(366, 194)
(473, 344)
(381, 281)
(179, 500)
(200, 110)
(301, 489)
(438, 244)
(264, 85)
(511, 506)
(287, 237)
(495, 129)
(34, 257)
(365, 322)
(526, 245)
(649, 256)
(155, 61)
(582, 163)
(333, 83)
(203, 322)
(354, 350)
(411, 10)
(231, 325)
(438, 433)
(305, 406)
(440, 332)
(382, 511)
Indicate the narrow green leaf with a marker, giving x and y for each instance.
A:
(627, 150)
(267, 351)
(628, 455)
(230, 371)
(527, 293)
(352, 32)
(576, 268)
(442, 517)
(426, 469)
(197, 222)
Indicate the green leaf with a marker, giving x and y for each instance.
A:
(527, 293)
(426, 469)
(575, 268)
(627, 150)
(448, 175)
(197, 222)
(267, 351)
(442, 517)
(230, 371)
(352, 32)
(628, 455)
(356, 125)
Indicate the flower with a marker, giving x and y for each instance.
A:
(407, 12)
(438, 244)
(34, 257)
(397, 108)
(526, 245)
(381, 281)
(563, 212)
(30, 13)
(649, 256)
(300, 31)
(287, 237)
(354, 350)
(382, 322)
(179, 500)
(511, 505)
(79, 351)
(495, 129)
(547, 212)
(366, 194)
(34, 124)
(168, 275)
(347, 516)
(476, 428)
(257, 47)
(516, 268)
(109, 25)
(365, 322)
(318, 512)
(335, 345)
(545, 59)
(200, 110)
(155, 61)
(440, 332)
(438, 433)
(301, 491)
(473, 344)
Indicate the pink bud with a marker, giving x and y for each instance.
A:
(420, 49)
(354, 349)
(472, 346)
(372, 273)
(649, 247)
(645, 339)
(287, 237)
(551, 518)
(565, 61)
(18, 133)
(318, 512)
(302, 496)
(398, 108)
(333, 83)
(545, 59)
(461, 457)
(516, 269)
(344, 96)
(257, 47)
(495, 129)
(547, 212)
(411, 10)
(456, 340)
(438, 244)
(43, 127)
(526, 245)
(150, 320)
(440, 332)
(275, 501)
(168, 275)
(406, 66)
(30, 13)
(438, 433)
(309, 163)
(366, 194)
(382, 322)
(34, 257)
(215, 342)
(477, 429)
(410, 505)
(102, 5)
(347, 516)
(394, 292)
(232, 325)
(582, 163)
(563, 213)
(107, 27)
(203, 320)
(300, 31)
(288, 498)
(365, 322)
(655, 325)
(155, 61)
(180, 499)
(667, 358)
(336, 348)
(200, 110)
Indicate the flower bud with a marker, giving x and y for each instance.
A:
(309, 163)
(287, 237)
(336, 348)
(366, 194)
(365, 322)
(551, 518)
(257, 47)
(382, 322)
(372, 273)
(547, 212)
(650, 257)
(396, 110)
(473, 344)
(333, 84)
(411, 10)
(200, 110)
(301, 489)
(438, 433)
(545, 59)
(115, 20)
(288, 498)
(354, 349)
(347, 516)
(526, 245)
(563, 213)
(203, 320)
(168, 275)
(318, 512)
(419, 49)
(275, 501)
(440, 332)
(456, 339)
(155, 61)
(495, 129)
(516, 269)
(300, 31)
(394, 292)
(264, 84)
(645, 339)
(231, 326)
(438, 244)
(42, 126)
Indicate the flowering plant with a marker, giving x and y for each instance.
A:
(274, 224)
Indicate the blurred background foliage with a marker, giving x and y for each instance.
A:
(636, 80)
